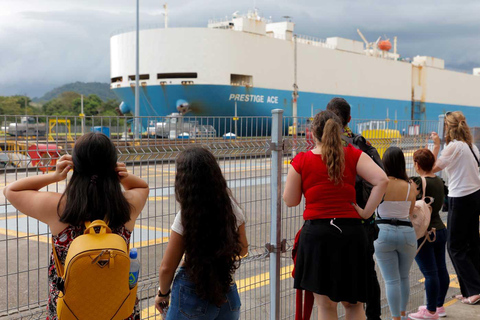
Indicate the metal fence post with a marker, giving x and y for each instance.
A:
(276, 207)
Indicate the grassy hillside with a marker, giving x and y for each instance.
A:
(102, 90)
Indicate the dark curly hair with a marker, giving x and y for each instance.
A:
(212, 241)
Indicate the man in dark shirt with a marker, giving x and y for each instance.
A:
(342, 109)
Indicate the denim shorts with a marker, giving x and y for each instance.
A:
(185, 304)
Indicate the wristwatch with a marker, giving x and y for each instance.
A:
(161, 295)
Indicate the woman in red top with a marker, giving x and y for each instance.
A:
(331, 257)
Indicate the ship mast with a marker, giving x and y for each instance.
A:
(165, 14)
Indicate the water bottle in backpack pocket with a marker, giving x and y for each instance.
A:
(134, 268)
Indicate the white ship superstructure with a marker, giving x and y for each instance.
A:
(250, 61)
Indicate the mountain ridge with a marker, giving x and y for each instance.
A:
(101, 89)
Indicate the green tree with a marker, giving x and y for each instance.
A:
(110, 105)
(91, 105)
(64, 104)
(15, 105)
(67, 98)
(9, 106)
(55, 107)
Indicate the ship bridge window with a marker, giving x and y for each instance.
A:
(241, 80)
(117, 79)
(140, 76)
(177, 75)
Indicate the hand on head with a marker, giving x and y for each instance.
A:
(121, 170)
(64, 165)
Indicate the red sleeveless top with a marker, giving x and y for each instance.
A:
(324, 199)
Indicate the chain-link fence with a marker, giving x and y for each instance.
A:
(249, 161)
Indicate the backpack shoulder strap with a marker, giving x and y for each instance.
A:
(366, 147)
(424, 187)
(58, 265)
(347, 140)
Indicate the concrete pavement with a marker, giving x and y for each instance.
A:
(459, 311)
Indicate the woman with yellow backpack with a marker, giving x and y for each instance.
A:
(94, 211)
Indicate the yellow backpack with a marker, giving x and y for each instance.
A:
(94, 281)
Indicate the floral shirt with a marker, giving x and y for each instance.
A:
(62, 242)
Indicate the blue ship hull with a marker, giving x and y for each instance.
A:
(219, 100)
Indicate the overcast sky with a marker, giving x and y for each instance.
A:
(47, 43)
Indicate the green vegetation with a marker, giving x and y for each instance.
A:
(98, 100)
(15, 105)
(66, 104)
(69, 104)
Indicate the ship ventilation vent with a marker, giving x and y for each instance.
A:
(141, 77)
(241, 80)
(177, 75)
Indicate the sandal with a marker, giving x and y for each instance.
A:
(458, 297)
(471, 300)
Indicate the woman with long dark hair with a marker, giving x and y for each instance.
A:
(460, 159)
(331, 259)
(210, 231)
(93, 192)
(397, 243)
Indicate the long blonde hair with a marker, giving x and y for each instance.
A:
(326, 127)
(457, 128)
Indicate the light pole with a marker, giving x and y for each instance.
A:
(137, 105)
(82, 114)
(235, 119)
(295, 97)
(26, 111)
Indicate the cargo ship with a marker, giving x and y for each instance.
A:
(248, 65)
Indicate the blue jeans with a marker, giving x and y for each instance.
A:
(431, 261)
(185, 304)
(395, 250)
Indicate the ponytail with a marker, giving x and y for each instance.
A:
(332, 151)
(326, 128)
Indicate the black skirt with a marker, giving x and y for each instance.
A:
(332, 259)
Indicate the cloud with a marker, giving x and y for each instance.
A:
(48, 43)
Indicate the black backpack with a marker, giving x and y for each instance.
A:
(362, 187)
